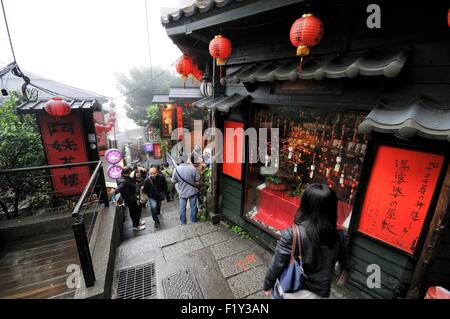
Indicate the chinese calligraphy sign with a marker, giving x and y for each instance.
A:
(64, 143)
(398, 196)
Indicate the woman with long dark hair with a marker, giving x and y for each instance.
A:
(322, 246)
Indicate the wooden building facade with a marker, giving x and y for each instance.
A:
(368, 114)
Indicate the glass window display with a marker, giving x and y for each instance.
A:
(316, 146)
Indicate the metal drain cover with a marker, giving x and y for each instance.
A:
(136, 282)
(182, 285)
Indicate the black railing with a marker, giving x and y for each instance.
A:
(93, 194)
(26, 184)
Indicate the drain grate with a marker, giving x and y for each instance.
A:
(136, 282)
(182, 285)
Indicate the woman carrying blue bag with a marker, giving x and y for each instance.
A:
(303, 265)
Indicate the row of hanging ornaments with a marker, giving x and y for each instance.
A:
(305, 33)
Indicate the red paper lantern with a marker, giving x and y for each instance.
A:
(57, 107)
(448, 18)
(197, 73)
(220, 49)
(306, 32)
(184, 66)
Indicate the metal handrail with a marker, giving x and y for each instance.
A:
(36, 168)
(92, 180)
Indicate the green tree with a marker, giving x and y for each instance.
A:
(138, 82)
(20, 146)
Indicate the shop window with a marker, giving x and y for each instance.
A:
(316, 146)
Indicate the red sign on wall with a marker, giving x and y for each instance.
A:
(233, 168)
(64, 143)
(398, 196)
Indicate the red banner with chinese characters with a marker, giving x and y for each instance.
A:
(101, 137)
(398, 196)
(64, 143)
(180, 122)
(233, 168)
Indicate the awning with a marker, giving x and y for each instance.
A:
(415, 118)
(387, 62)
(188, 93)
(161, 99)
(37, 106)
(222, 103)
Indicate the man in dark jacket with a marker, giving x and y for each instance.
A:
(127, 189)
(155, 187)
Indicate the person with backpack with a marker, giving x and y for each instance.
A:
(186, 177)
(315, 240)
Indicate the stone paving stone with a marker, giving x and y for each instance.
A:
(228, 248)
(259, 295)
(240, 262)
(182, 248)
(172, 235)
(205, 228)
(248, 282)
(215, 238)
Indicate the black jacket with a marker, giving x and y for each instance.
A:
(127, 188)
(154, 188)
(318, 261)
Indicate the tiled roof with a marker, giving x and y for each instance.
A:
(201, 6)
(370, 63)
(222, 103)
(414, 118)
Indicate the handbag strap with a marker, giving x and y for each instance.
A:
(299, 242)
(185, 180)
(294, 243)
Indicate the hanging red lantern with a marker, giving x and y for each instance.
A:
(97, 128)
(57, 107)
(197, 73)
(305, 33)
(184, 66)
(448, 18)
(220, 49)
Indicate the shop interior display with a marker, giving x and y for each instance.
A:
(316, 146)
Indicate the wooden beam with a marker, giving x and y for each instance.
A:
(432, 240)
(231, 15)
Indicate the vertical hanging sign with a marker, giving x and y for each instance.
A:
(399, 193)
(64, 143)
(180, 122)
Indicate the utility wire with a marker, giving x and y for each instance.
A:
(148, 41)
(145, 84)
(7, 29)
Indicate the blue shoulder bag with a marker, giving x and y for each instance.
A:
(291, 279)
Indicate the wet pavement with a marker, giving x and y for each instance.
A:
(197, 260)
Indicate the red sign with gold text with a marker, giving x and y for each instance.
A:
(398, 196)
(64, 143)
(233, 168)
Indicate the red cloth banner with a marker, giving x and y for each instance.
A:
(233, 168)
(157, 151)
(398, 196)
(64, 143)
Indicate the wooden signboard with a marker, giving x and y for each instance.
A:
(64, 143)
(233, 168)
(398, 196)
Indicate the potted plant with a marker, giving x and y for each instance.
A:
(275, 183)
